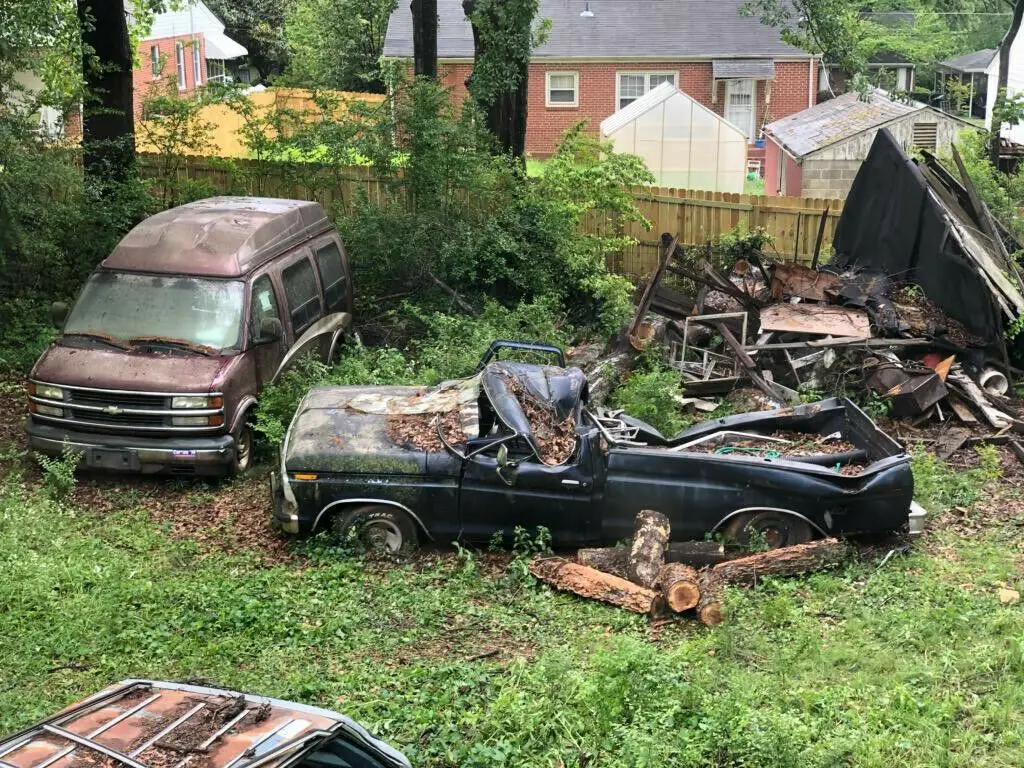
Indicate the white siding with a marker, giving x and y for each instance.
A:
(192, 19)
(1015, 85)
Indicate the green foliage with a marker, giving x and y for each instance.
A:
(505, 39)
(259, 25)
(741, 242)
(336, 43)
(59, 473)
(939, 487)
(525, 547)
(1003, 193)
(829, 27)
(650, 393)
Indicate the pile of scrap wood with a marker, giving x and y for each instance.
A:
(913, 307)
(659, 579)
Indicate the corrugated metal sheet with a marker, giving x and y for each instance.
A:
(743, 69)
(618, 29)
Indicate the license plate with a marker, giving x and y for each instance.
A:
(112, 458)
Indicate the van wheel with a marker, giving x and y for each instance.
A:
(769, 528)
(378, 528)
(243, 448)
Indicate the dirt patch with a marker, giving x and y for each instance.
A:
(420, 430)
(556, 441)
(924, 317)
(13, 412)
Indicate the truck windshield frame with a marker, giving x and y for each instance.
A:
(204, 312)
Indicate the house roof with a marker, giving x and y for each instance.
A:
(838, 119)
(969, 63)
(644, 29)
(649, 101)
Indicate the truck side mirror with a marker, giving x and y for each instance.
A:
(270, 329)
(58, 313)
(506, 469)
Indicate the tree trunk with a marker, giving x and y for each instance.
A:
(647, 555)
(424, 37)
(710, 606)
(613, 560)
(596, 585)
(788, 561)
(680, 585)
(1004, 78)
(108, 119)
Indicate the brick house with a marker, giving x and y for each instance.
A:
(603, 54)
(188, 44)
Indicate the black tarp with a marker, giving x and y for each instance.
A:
(891, 223)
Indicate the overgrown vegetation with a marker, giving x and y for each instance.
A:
(939, 487)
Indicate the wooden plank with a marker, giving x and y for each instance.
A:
(816, 320)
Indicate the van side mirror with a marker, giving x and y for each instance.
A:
(58, 313)
(270, 329)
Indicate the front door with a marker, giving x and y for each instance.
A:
(268, 351)
(531, 494)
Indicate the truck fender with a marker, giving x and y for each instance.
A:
(243, 410)
(339, 505)
(746, 510)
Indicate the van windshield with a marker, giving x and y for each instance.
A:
(126, 306)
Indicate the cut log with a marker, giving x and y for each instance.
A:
(787, 561)
(679, 583)
(710, 606)
(613, 560)
(696, 553)
(647, 555)
(587, 582)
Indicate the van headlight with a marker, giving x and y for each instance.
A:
(48, 392)
(196, 401)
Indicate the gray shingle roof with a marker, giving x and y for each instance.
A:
(618, 29)
(979, 61)
(842, 117)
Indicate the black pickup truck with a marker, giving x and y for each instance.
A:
(516, 445)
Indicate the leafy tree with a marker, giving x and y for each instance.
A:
(337, 43)
(259, 25)
(503, 39)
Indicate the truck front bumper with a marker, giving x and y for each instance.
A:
(286, 516)
(185, 455)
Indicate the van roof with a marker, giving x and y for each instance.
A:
(218, 236)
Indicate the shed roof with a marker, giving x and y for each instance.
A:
(833, 121)
(618, 29)
(218, 237)
(649, 101)
(971, 63)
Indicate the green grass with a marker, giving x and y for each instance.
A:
(753, 186)
(534, 167)
(913, 664)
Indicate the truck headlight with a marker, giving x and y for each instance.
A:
(48, 392)
(191, 401)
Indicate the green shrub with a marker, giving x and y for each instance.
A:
(650, 396)
(59, 473)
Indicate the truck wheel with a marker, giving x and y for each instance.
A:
(774, 529)
(243, 449)
(379, 528)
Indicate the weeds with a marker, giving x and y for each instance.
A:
(939, 487)
(59, 472)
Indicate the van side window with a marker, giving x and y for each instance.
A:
(332, 275)
(264, 306)
(302, 295)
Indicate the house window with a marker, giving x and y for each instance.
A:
(633, 85)
(926, 136)
(154, 60)
(197, 66)
(739, 105)
(563, 89)
(179, 60)
(215, 71)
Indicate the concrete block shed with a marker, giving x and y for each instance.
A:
(684, 143)
(817, 152)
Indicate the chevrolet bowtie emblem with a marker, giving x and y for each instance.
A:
(113, 410)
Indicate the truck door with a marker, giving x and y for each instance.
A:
(530, 495)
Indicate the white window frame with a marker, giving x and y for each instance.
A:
(752, 127)
(154, 61)
(197, 64)
(216, 71)
(647, 75)
(179, 61)
(562, 104)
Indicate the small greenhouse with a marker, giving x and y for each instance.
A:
(684, 143)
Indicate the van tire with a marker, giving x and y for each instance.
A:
(244, 444)
(379, 528)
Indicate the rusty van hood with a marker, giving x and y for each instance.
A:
(151, 724)
(132, 370)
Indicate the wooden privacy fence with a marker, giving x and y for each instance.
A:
(698, 216)
(695, 216)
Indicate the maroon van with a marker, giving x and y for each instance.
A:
(161, 359)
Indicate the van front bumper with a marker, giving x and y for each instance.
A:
(184, 455)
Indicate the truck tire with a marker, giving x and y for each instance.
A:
(379, 528)
(776, 529)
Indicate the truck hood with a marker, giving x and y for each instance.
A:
(129, 370)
